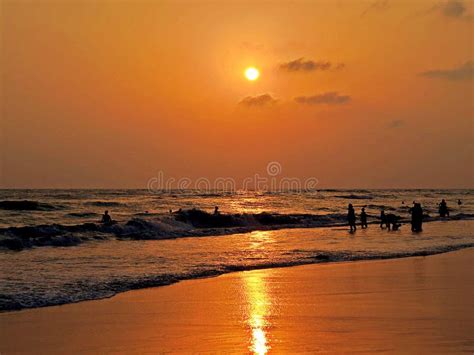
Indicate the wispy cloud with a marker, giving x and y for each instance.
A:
(258, 100)
(463, 72)
(376, 6)
(329, 98)
(303, 65)
(453, 8)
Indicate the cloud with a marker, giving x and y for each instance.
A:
(376, 6)
(329, 98)
(453, 8)
(258, 100)
(301, 64)
(396, 124)
(463, 72)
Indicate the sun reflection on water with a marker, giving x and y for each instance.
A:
(258, 309)
(259, 239)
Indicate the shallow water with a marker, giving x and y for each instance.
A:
(66, 256)
(56, 275)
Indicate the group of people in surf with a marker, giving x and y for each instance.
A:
(107, 220)
(391, 221)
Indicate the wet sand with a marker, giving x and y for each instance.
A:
(417, 305)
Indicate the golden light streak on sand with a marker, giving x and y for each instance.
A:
(258, 304)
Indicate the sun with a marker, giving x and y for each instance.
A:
(252, 73)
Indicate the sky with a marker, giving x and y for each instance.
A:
(357, 94)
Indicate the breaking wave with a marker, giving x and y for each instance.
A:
(27, 205)
(187, 223)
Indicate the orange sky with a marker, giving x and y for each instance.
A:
(108, 93)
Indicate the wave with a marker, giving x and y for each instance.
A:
(355, 197)
(27, 205)
(90, 290)
(83, 214)
(381, 207)
(104, 203)
(19, 238)
(186, 223)
(213, 194)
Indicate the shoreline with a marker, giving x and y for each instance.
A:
(275, 308)
(315, 262)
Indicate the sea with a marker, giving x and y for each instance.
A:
(54, 250)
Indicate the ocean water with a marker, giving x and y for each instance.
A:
(54, 251)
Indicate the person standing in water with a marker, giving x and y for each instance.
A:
(363, 219)
(106, 219)
(383, 219)
(416, 217)
(419, 224)
(443, 209)
(351, 218)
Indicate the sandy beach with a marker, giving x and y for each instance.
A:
(420, 304)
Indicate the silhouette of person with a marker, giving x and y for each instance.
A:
(416, 217)
(216, 210)
(383, 218)
(106, 218)
(392, 221)
(419, 217)
(351, 217)
(411, 210)
(443, 209)
(363, 219)
(459, 202)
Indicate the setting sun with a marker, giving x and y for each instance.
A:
(252, 73)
